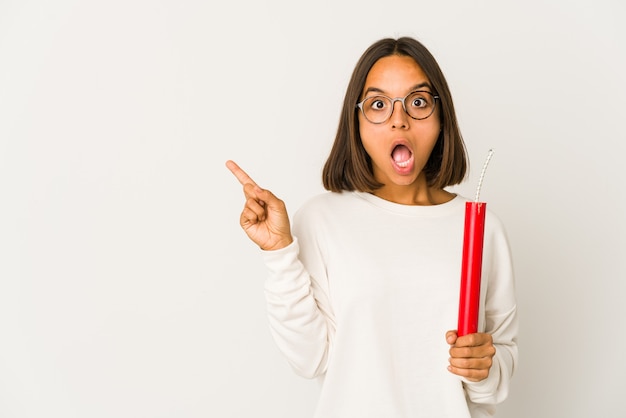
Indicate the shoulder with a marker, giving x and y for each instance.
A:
(327, 202)
(494, 224)
(324, 214)
(495, 232)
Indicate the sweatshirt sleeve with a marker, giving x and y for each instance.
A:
(499, 317)
(298, 311)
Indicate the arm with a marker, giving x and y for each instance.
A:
(298, 311)
(297, 305)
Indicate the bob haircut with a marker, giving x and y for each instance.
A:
(349, 167)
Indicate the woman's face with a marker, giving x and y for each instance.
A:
(400, 147)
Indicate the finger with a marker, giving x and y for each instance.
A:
(474, 375)
(471, 363)
(248, 218)
(473, 340)
(265, 197)
(473, 352)
(241, 175)
(451, 337)
(256, 208)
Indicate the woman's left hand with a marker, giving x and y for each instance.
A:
(471, 356)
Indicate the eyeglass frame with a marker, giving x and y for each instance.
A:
(393, 105)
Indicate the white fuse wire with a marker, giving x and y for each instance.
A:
(482, 174)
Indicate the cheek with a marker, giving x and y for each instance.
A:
(370, 139)
(430, 132)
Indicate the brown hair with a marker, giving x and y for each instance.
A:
(349, 167)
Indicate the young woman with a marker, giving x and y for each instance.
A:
(363, 292)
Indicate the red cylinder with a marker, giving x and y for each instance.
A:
(471, 267)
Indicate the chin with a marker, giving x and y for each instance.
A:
(404, 181)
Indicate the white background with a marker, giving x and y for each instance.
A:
(127, 288)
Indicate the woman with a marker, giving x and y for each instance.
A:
(364, 292)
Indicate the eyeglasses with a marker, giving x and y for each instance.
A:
(417, 104)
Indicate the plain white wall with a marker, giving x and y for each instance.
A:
(127, 288)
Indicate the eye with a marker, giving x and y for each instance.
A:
(419, 102)
(377, 103)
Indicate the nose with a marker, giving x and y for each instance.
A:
(399, 118)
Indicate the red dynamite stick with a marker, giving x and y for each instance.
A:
(471, 267)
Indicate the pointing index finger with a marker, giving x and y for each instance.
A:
(241, 175)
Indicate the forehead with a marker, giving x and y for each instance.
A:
(395, 74)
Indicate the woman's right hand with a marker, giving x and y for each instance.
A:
(264, 217)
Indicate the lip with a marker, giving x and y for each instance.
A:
(406, 167)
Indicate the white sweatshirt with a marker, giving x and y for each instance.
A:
(364, 296)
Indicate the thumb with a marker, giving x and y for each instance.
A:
(451, 337)
(251, 190)
(268, 199)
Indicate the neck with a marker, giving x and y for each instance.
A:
(414, 195)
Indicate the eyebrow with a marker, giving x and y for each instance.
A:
(414, 88)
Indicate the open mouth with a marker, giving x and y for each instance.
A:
(402, 156)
